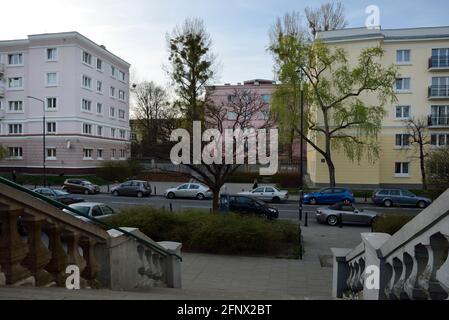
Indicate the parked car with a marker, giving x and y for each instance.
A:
(267, 193)
(348, 213)
(80, 186)
(189, 190)
(133, 188)
(249, 205)
(400, 197)
(58, 195)
(91, 209)
(329, 196)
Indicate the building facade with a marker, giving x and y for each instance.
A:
(422, 88)
(83, 91)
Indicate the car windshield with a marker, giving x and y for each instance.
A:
(82, 209)
(60, 193)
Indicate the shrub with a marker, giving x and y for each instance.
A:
(391, 223)
(284, 180)
(118, 170)
(211, 233)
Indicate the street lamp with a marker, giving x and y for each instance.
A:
(301, 152)
(43, 139)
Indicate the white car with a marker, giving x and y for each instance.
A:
(91, 209)
(267, 193)
(189, 190)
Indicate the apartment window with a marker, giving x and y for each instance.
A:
(112, 133)
(122, 75)
(121, 95)
(440, 57)
(122, 134)
(15, 83)
(402, 169)
(51, 127)
(122, 154)
(99, 86)
(52, 54)
(99, 108)
(266, 98)
(112, 71)
(440, 87)
(402, 112)
(264, 115)
(231, 98)
(121, 114)
(100, 154)
(15, 128)
(87, 58)
(51, 79)
(113, 153)
(403, 84)
(51, 154)
(440, 115)
(232, 115)
(100, 131)
(15, 106)
(112, 112)
(87, 82)
(15, 152)
(15, 59)
(403, 56)
(439, 140)
(87, 154)
(87, 128)
(402, 140)
(99, 64)
(112, 92)
(51, 103)
(86, 105)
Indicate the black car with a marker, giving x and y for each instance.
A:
(58, 195)
(246, 204)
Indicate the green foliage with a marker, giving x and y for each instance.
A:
(3, 152)
(437, 166)
(211, 233)
(113, 171)
(391, 223)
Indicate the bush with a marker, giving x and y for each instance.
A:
(284, 180)
(211, 233)
(391, 223)
(118, 170)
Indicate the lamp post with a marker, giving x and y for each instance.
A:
(301, 152)
(44, 156)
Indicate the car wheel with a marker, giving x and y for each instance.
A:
(139, 194)
(313, 201)
(171, 195)
(332, 221)
(388, 203)
(115, 193)
(86, 192)
(200, 196)
(422, 204)
(276, 200)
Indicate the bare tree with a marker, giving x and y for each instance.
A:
(330, 16)
(417, 130)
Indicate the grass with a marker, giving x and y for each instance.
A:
(214, 233)
(391, 223)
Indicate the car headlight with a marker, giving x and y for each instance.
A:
(272, 210)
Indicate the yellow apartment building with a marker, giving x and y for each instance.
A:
(422, 58)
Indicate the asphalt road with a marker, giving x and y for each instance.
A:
(287, 210)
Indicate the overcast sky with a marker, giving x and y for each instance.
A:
(135, 29)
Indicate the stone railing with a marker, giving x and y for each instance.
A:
(38, 242)
(412, 264)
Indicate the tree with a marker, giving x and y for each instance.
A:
(330, 16)
(418, 133)
(336, 112)
(437, 166)
(191, 66)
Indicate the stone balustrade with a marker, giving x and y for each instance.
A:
(413, 264)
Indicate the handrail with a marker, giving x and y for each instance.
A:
(61, 206)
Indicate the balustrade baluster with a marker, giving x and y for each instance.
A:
(72, 239)
(92, 267)
(59, 260)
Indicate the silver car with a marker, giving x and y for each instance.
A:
(348, 214)
(189, 190)
(91, 209)
(267, 193)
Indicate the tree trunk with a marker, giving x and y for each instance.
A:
(423, 168)
(331, 168)
(215, 201)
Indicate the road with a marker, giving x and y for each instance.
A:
(287, 210)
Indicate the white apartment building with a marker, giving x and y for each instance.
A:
(85, 94)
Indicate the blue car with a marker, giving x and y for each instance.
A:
(329, 196)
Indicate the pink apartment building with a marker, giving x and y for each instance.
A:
(85, 90)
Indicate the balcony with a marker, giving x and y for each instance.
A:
(439, 63)
(438, 92)
(2, 88)
(438, 121)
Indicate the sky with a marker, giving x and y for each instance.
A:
(136, 30)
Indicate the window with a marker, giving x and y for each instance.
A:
(122, 75)
(99, 86)
(266, 98)
(439, 140)
(113, 153)
(403, 84)
(15, 59)
(51, 154)
(122, 134)
(121, 114)
(402, 112)
(112, 92)
(87, 128)
(232, 115)
(100, 154)
(15, 128)
(112, 71)
(440, 115)
(264, 115)
(113, 132)
(440, 87)
(15, 106)
(99, 64)
(231, 98)
(15, 83)
(51, 103)
(122, 154)
(86, 105)
(87, 58)
(87, 82)
(402, 140)
(121, 95)
(403, 56)
(99, 108)
(52, 54)
(112, 112)
(51, 127)
(87, 153)
(100, 131)
(51, 79)
(15, 153)
(402, 168)
(440, 58)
